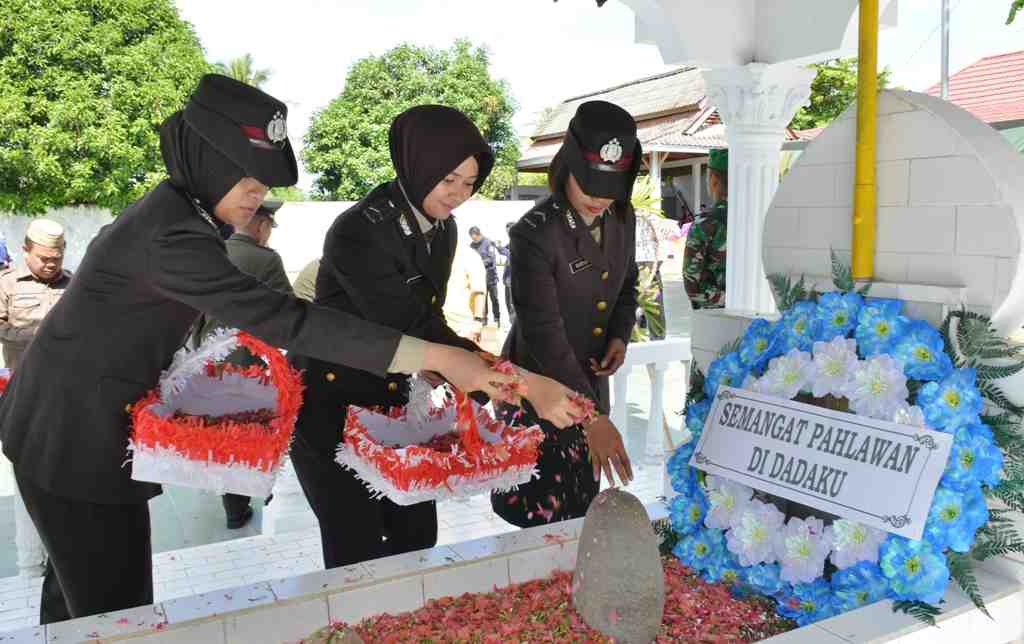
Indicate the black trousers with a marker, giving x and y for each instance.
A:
(100, 556)
(235, 505)
(354, 526)
(492, 295)
(508, 303)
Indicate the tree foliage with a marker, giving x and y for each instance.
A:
(1015, 6)
(833, 89)
(346, 146)
(243, 69)
(84, 86)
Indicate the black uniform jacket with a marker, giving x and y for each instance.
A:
(376, 265)
(144, 280)
(571, 295)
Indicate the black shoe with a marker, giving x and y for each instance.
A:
(240, 521)
(267, 500)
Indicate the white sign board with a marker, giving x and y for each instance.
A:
(879, 473)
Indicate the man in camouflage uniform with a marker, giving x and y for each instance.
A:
(704, 259)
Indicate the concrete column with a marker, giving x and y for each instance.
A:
(756, 102)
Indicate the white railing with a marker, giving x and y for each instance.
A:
(656, 355)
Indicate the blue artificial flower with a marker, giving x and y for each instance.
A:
(727, 370)
(695, 415)
(954, 518)
(952, 402)
(859, 585)
(687, 511)
(725, 569)
(837, 315)
(701, 550)
(915, 569)
(879, 326)
(808, 602)
(760, 344)
(974, 459)
(765, 579)
(798, 328)
(683, 477)
(922, 352)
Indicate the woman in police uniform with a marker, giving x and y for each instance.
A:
(388, 259)
(574, 286)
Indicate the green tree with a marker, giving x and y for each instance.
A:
(1015, 6)
(243, 69)
(346, 145)
(289, 193)
(833, 89)
(84, 87)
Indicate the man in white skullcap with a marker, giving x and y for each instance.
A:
(28, 290)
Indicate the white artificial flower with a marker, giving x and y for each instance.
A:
(878, 387)
(750, 383)
(752, 537)
(909, 415)
(834, 363)
(853, 542)
(726, 499)
(801, 547)
(787, 375)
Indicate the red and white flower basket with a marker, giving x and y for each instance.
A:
(5, 377)
(215, 426)
(429, 452)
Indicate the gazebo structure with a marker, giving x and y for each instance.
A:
(675, 124)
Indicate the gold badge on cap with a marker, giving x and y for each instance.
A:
(277, 129)
(611, 151)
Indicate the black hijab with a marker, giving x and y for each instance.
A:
(429, 141)
(194, 166)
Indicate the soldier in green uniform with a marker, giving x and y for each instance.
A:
(704, 259)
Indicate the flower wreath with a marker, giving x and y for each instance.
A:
(845, 349)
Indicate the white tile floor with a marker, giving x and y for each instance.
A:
(250, 560)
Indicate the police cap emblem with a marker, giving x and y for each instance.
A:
(277, 129)
(611, 151)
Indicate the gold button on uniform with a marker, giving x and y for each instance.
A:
(329, 377)
(604, 275)
(128, 408)
(598, 331)
(433, 299)
(602, 305)
(392, 386)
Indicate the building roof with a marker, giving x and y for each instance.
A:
(673, 92)
(670, 110)
(991, 89)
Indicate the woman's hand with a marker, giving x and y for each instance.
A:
(607, 451)
(465, 370)
(432, 378)
(551, 400)
(614, 356)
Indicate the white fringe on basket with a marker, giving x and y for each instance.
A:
(165, 465)
(457, 485)
(187, 364)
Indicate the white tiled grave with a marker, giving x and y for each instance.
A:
(288, 609)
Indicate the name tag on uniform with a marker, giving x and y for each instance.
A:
(581, 264)
(414, 278)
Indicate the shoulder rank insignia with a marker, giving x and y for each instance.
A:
(569, 219)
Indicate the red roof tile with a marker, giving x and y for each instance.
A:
(991, 89)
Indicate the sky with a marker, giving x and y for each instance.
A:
(547, 51)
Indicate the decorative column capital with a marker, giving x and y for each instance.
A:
(758, 97)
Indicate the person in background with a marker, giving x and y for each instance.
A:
(145, 278)
(506, 274)
(5, 257)
(574, 284)
(248, 250)
(648, 248)
(305, 282)
(29, 291)
(388, 259)
(704, 258)
(485, 249)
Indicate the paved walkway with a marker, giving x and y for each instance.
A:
(195, 553)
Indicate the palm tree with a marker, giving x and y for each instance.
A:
(241, 69)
